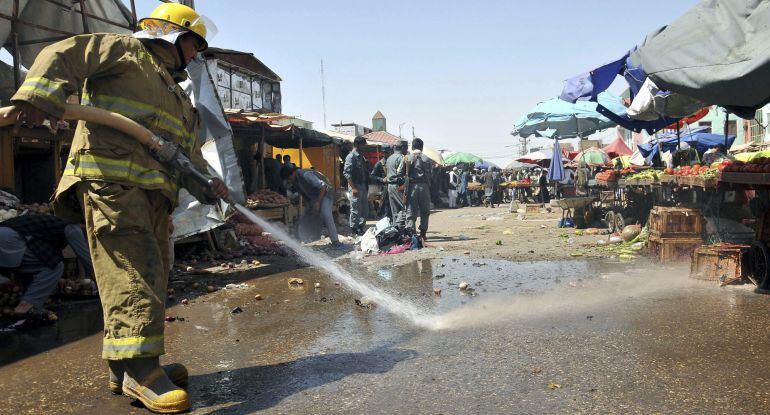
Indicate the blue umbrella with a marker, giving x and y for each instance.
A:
(486, 165)
(558, 119)
(556, 169)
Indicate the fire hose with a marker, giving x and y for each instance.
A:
(163, 150)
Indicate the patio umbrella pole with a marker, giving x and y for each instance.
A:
(678, 143)
(727, 121)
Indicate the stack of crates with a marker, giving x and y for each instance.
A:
(675, 233)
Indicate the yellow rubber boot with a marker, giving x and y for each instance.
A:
(146, 381)
(175, 371)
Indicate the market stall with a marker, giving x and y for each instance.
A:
(256, 133)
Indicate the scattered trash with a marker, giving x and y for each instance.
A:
(244, 262)
(185, 301)
(437, 292)
(439, 276)
(258, 297)
(169, 318)
(467, 252)
(236, 286)
(553, 386)
(255, 262)
(543, 226)
(536, 371)
(508, 231)
(189, 269)
(236, 310)
(317, 285)
(463, 285)
(576, 254)
(499, 243)
(296, 281)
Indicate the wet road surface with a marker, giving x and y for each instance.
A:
(530, 338)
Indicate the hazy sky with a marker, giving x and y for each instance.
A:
(460, 72)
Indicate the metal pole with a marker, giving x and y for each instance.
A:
(84, 17)
(15, 40)
(300, 163)
(727, 121)
(133, 15)
(678, 141)
(262, 162)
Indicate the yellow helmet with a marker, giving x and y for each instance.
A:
(180, 16)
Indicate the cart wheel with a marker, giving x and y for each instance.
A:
(620, 223)
(760, 258)
(609, 219)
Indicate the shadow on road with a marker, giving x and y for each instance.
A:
(261, 387)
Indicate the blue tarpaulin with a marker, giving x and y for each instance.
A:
(700, 141)
(556, 169)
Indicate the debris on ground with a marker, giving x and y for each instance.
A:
(437, 292)
(508, 231)
(258, 297)
(185, 301)
(317, 285)
(211, 288)
(236, 310)
(537, 370)
(553, 386)
(236, 286)
(463, 285)
(296, 281)
(365, 302)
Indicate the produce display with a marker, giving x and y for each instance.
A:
(608, 176)
(647, 175)
(694, 170)
(757, 165)
(10, 295)
(265, 197)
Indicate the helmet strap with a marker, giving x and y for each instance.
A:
(182, 61)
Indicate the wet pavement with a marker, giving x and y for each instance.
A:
(569, 336)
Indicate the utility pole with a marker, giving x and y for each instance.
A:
(412, 132)
(523, 145)
(323, 92)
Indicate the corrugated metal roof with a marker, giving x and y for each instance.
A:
(382, 137)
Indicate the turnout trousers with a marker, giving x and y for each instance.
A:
(128, 234)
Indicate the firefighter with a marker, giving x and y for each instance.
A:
(113, 184)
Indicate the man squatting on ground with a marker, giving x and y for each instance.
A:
(32, 244)
(316, 192)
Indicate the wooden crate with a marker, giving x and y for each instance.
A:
(724, 263)
(673, 249)
(675, 222)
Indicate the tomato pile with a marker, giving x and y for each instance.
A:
(608, 176)
(758, 165)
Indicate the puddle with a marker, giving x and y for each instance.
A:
(485, 277)
(76, 320)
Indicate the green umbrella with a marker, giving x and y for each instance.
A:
(457, 158)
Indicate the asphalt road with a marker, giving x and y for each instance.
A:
(531, 338)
